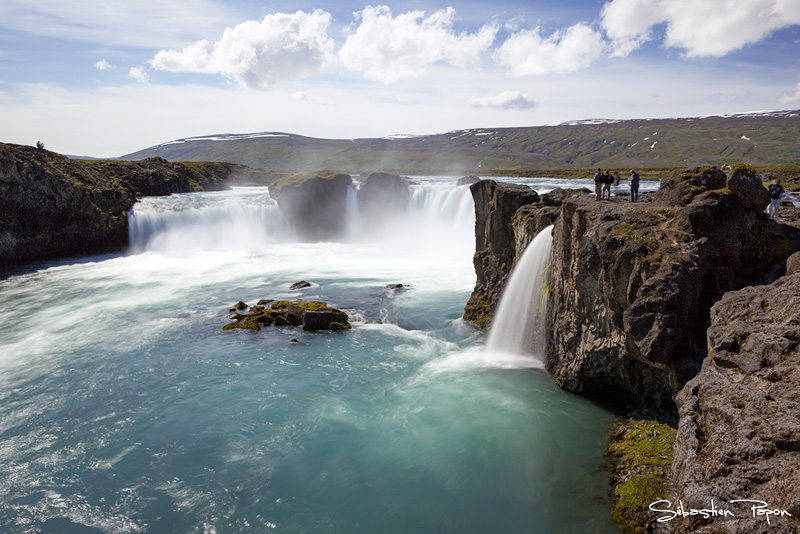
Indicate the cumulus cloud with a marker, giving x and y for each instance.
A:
(139, 75)
(701, 27)
(504, 100)
(526, 52)
(103, 65)
(389, 48)
(792, 97)
(282, 47)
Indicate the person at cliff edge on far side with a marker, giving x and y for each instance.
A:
(598, 184)
(634, 185)
(775, 192)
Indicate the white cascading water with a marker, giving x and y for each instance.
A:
(241, 219)
(439, 214)
(519, 324)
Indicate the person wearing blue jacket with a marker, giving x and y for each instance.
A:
(634, 185)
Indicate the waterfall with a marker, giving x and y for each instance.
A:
(351, 213)
(520, 322)
(440, 217)
(244, 218)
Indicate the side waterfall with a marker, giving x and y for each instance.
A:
(520, 322)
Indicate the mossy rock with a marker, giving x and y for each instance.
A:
(641, 454)
(338, 327)
(246, 325)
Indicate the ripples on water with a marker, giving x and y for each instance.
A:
(125, 408)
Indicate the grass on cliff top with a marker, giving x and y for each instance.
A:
(641, 454)
(298, 179)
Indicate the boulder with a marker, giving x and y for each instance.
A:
(381, 194)
(739, 434)
(315, 204)
(468, 180)
(793, 263)
(311, 315)
(324, 320)
(300, 285)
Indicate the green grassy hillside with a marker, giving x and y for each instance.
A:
(759, 139)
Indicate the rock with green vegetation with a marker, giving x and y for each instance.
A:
(312, 315)
(739, 430)
(634, 284)
(641, 454)
(315, 204)
(382, 194)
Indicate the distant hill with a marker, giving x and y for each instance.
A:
(769, 138)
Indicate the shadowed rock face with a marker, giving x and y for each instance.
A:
(633, 285)
(739, 432)
(381, 194)
(315, 205)
(495, 248)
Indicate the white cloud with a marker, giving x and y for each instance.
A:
(390, 48)
(701, 27)
(628, 23)
(504, 100)
(527, 52)
(791, 97)
(103, 65)
(259, 55)
(139, 75)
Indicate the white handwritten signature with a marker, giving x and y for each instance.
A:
(757, 508)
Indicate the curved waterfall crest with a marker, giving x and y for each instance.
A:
(520, 322)
(249, 219)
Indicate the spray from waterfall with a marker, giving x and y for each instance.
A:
(520, 322)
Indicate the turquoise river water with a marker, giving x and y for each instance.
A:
(124, 407)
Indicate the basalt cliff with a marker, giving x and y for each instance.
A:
(52, 206)
(675, 305)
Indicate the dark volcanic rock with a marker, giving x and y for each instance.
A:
(300, 285)
(52, 206)
(312, 315)
(739, 433)
(381, 194)
(495, 249)
(633, 285)
(315, 204)
(324, 319)
(468, 180)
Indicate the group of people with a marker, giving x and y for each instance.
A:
(604, 180)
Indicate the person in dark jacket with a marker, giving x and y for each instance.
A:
(598, 184)
(775, 192)
(634, 185)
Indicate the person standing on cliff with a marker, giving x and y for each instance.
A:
(634, 185)
(775, 192)
(598, 184)
(608, 179)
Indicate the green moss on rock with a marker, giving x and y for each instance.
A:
(641, 455)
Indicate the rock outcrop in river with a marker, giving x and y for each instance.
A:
(381, 194)
(52, 206)
(315, 204)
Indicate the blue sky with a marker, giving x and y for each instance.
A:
(99, 78)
